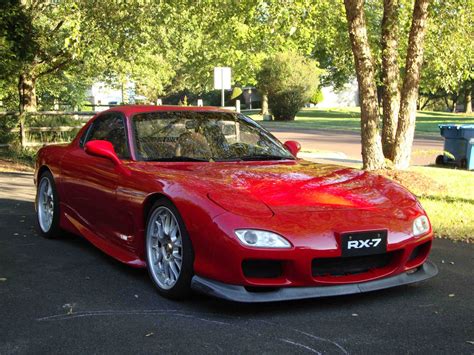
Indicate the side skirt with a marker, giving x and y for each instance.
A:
(110, 249)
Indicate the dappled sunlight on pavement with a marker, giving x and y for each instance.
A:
(17, 186)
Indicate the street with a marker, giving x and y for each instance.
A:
(347, 144)
(66, 296)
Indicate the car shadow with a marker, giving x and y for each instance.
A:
(202, 303)
(199, 303)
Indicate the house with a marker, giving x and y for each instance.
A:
(102, 95)
(348, 96)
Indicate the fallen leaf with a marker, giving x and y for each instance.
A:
(451, 262)
(136, 296)
(470, 342)
(69, 307)
(355, 315)
(149, 334)
(451, 295)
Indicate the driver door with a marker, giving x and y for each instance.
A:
(90, 182)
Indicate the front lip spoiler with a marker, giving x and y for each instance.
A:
(240, 294)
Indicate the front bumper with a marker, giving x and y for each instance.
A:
(240, 293)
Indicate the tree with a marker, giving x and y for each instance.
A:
(409, 95)
(47, 38)
(390, 75)
(290, 80)
(372, 156)
(449, 54)
(399, 146)
(468, 97)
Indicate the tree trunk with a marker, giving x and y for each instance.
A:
(411, 82)
(27, 96)
(390, 76)
(265, 104)
(27, 92)
(446, 102)
(372, 155)
(455, 103)
(424, 104)
(468, 99)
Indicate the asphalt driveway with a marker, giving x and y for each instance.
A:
(65, 296)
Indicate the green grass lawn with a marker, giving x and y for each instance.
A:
(447, 196)
(349, 119)
(451, 211)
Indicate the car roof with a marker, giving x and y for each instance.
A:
(129, 110)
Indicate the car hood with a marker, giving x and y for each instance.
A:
(261, 189)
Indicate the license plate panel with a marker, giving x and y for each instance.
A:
(364, 243)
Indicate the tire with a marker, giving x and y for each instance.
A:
(47, 206)
(169, 252)
(440, 160)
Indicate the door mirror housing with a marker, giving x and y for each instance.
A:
(293, 146)
(105, 149)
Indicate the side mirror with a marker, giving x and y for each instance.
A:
(105, 149)
(293, 146)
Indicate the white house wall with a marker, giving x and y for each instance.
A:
(347, 97)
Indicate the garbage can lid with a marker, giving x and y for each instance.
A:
(456, 126)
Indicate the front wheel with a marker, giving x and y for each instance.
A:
(169, 251)
(47, 206)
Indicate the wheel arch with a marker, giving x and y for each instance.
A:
(150, 201)
(42, 170)
(147, 206)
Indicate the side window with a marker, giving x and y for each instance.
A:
(82, 141)
(110, 128)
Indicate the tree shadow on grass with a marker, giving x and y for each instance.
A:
(328, 114)
(447, 199)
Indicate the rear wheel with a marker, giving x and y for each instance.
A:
(169, 251)
(47, 206)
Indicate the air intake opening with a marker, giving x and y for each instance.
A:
(419, 254)
(343, 266)
(262, 269)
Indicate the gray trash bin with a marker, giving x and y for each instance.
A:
(458, 145)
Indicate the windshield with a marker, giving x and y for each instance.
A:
(203, 136)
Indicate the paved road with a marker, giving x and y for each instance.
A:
(65, 296)
(425, 149)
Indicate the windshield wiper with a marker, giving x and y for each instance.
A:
(264, 157)
(177, 159)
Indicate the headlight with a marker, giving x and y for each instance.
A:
(421, 225)
(261, 239)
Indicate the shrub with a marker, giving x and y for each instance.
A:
(286, 104)
(317, 97)
(289, 79)
(7, 123)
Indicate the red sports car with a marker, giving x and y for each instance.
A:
(207, 199)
